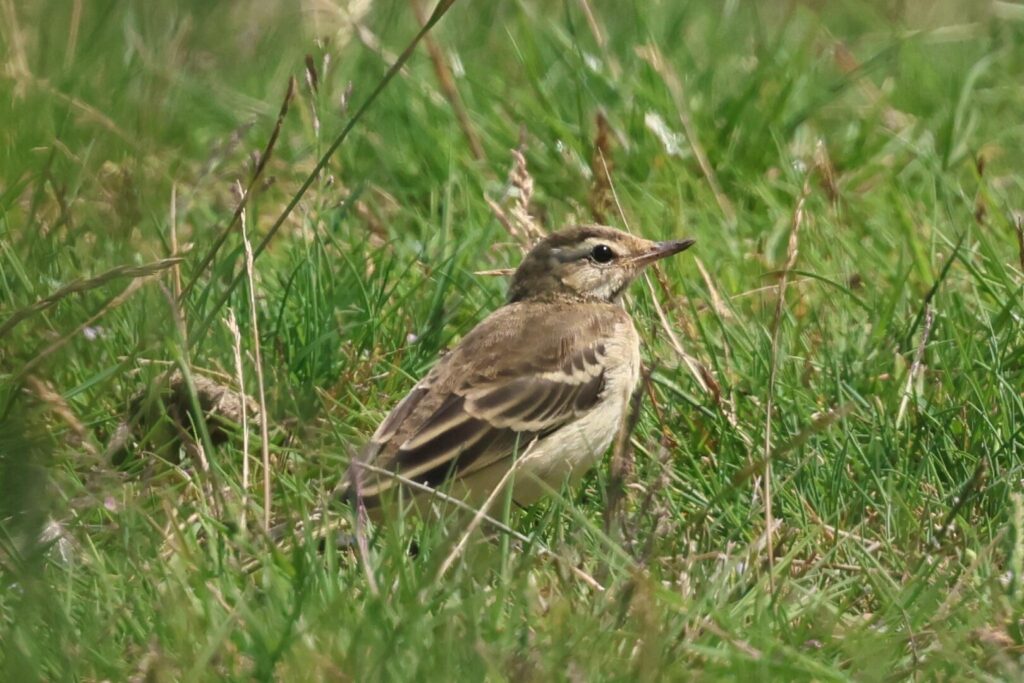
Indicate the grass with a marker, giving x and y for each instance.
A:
(890, 374)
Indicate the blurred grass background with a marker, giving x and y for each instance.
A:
(896, 380)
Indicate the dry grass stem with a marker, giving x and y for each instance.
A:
(915, 366)
(85, 285)
(89, 111)
(197, 454)
(372, 42)
(200, 449)
(491, 521)
(692, 364)
(505, 221)
(439, 11)
(261, 166)
(16, 64)
(364, 546)
(174, 299)
(701, 375)
(826, 171)
(313, 83)
(818, 424)
(173, 220)
(756, 468)
(966, 493)
(746, 648)
(595, 28)
(600, 196)
(258, 362)
(833, 533)
(515, 217)
(128, 292)
(47, 395)
(622, 462)
(760, 290)
(503, 272)
(647, 505)
(236, 337)
(792, 250)
(446, 80)
(478, 517)
(717, 303)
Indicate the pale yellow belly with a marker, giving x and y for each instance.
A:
(562, 457)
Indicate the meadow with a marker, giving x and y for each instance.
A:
(302, 201)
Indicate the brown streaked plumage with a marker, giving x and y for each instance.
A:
(546, 377)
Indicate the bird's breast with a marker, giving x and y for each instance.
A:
(570, 451)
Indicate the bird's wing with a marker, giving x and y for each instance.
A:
(471, 412)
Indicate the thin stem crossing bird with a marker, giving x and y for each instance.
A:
(547, 377)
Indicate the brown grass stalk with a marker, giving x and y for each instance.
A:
(692, 364)
(85, 285)
(363, 546)
(446, 81)
(50, 397)
(176, 268)
(600, 195)
(516, 217)
(128, 292)
(792, 250)
(439, 11)
(915, 366)
(261, 166)
(236, 336)
(258, 362)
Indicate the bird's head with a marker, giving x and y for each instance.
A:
(586, 263)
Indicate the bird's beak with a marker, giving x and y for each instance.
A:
(660, 250)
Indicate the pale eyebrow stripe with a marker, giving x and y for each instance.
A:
(566, 254)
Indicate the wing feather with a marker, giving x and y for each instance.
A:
(450, 425)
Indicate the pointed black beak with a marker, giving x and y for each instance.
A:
(663, 250)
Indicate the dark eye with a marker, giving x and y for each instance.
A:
(602, 253)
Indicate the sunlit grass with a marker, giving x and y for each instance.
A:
(897, 377)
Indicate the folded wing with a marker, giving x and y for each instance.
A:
(441, 430)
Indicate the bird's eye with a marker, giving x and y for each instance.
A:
(602, 253)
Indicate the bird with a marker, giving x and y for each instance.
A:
(542, 384)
